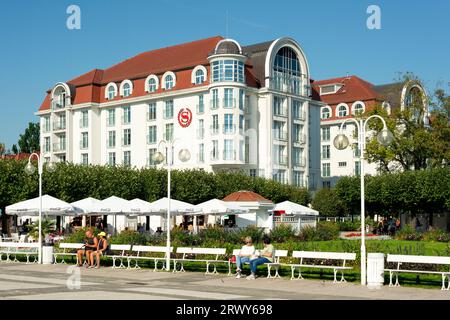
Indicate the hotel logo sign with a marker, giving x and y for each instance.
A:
(185, 117)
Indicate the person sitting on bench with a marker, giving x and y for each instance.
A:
(90, 244)
(244, 255)
(102, 249)
(263, 256)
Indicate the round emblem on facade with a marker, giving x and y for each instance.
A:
(185, 117)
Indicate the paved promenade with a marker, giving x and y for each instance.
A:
(21, 281)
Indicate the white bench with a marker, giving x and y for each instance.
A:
(275, 264)
(19, 248)
(67, 248)
(400, 259)
(137, 251)
(199, 251)
(121, 254)
(302, 255)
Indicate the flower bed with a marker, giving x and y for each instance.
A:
(351, 235)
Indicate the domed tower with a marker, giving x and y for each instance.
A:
(227, 99)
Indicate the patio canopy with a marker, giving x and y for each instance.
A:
(218, 207)
(140, 207)
(86, 206)
(114, 206)
(292, 208)
(176, 206)
(50, 206)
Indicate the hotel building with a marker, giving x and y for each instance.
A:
(245, 108)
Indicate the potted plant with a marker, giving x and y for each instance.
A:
(47, 229)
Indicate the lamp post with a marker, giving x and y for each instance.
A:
(341, 142)
(29, 169)
(184, 155)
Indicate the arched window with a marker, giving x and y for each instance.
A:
(169, 81)
(342, 110)
(358, 108)
(126, 89)
(151, 85)
(287, 71)
(199, 76)
(325, 113)
(111, 92)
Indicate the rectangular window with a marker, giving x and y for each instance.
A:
(152, 135)
(126, 137)
(46, 124)
(325, 152)
(84, 159)
(201, 104)
(278, 130)
(169, 132)
(47, 144)
(298, 178)
(279, 176)
(126, 115)
(241, 150)
(241, 99)
(201, 129)
(215, 99)
(297, 157)
(84, 140)
(151, 155)
(356, 151)
(278, 106)
(342, 164)
(215, 150)
(111, 121)
(297, 109)
(127, 158)
(112, 158)
(241, 122)
(280, 155)
(326, 134)
(168, 109)
(298, 133)
(326, 170)
(228, 125)
(228, 151)
(84, 121)
(215, 124)
(111, 139)
(151, 114)
(201, 153)
(229, 100)
(357, 168)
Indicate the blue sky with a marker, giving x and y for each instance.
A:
(37, 49)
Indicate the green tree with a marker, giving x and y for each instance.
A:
(29, 140)
(14, 149)
(328, 203)
(414, 146)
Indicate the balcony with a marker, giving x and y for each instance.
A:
(214, 104)
(200, 133)
(281, 160)
(280, 112)
(280, 135)
(200, 108)
(229, 129)
(214, 129)
(229, 155)
(59, 147)
(59, 125)
(299, 162)
(299, 115)
(287, 84)
(300, 139)
(229, 103)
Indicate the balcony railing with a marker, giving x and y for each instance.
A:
(281, 160)
(229, 129)
(59, 125)
(300, 162)
(280, 112)
(229, 155)
(280, 135)
(299, 115)
(59, 147)
(229, 103)
(301, 139)
(293, 85)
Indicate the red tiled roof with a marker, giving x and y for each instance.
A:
(19, 156)
(245, 196)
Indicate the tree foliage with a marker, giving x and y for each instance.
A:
(328, 203)
(29, 140)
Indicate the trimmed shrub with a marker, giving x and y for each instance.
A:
(282, 233)
(79, 236)
(325, 231)
(129, 237)
(408, 233)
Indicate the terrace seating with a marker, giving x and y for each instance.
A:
(192, 254)
(138, 251)
(321, 256)
(19, 248)
(410, 259)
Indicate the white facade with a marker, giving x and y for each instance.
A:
(272, 131)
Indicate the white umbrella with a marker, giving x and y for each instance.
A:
(176, 206)
(113, 206)
(86, 206)
(216, 206)
(50, 206)
(140, 207)
(292, 208)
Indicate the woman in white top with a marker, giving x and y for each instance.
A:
(244, 255)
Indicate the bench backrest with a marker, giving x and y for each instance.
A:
(417, 259)
(236, 252)
(216, 251)
(184, 250)
(19, 245)
(324, 255)
(150, 249)
(120, 247)
(65, 245)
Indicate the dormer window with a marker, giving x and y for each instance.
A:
(60, 96)
(111, 91)
(151, 85)
(199, 76)
(126, 88)
(358, 108)
(330, 88)
(169, 80)
(325, 113)
(342, 110)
